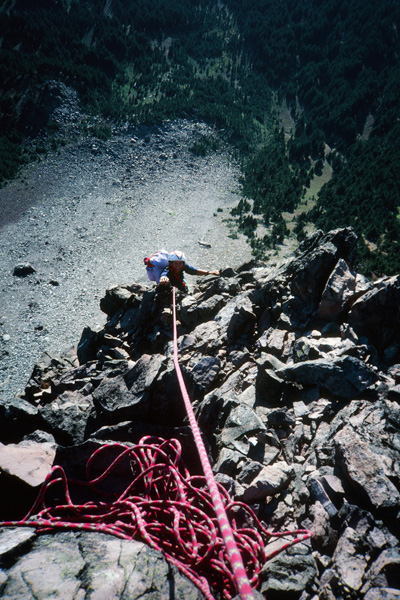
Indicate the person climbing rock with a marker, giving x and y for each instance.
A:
(174, 272)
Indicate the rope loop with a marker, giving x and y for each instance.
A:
(145, 492)
(238, 549)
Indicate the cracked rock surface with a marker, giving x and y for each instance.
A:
(95, 566)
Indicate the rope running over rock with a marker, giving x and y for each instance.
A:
(144, 492)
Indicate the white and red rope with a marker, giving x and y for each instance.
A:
(234, 557)
(144, 492)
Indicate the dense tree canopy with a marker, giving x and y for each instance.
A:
(334, 64)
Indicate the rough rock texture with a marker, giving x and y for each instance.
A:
(294, 375)
(83, 218)
(73, 565)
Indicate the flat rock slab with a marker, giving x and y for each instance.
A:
(66, 565)
(29, 461)
(12, 540)
(288, 574)
(345, 377)
(125, 396)
(269, 481)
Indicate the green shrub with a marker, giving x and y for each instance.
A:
(11, 158)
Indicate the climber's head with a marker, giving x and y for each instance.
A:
(176, 260)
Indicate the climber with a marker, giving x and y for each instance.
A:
(174, 271)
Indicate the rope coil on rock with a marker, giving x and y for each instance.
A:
(144, 492)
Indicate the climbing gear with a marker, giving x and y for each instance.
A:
(160, 503)
(176, 255)
(180, 282)
(144, 492)
(235, 559)
(155, 264)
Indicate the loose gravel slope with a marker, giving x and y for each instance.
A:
(85, 218)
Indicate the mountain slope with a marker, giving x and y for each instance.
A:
(334, 66)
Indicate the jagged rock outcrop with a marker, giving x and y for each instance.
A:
(294, 374)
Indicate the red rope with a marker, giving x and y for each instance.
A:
(144, 492)
(235, 559)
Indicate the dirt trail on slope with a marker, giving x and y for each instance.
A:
(85, 218)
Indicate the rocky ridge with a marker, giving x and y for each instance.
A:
(294, 374)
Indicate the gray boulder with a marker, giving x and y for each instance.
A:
(241, 421)
(65, 566)
(288, 574)
(338, 293)
(345, 377)
(193, 311)
(364, 471)
(376, 314)
(203, 370)
(269, 481)
(383, 575)
(23, 270)
(17, 418)
(125, 396)
(243, 320)
(118, 297)
(349, 561)
(68, 417)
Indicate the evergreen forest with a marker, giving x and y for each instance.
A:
(307, 92)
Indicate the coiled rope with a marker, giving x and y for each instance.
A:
(144, 492)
